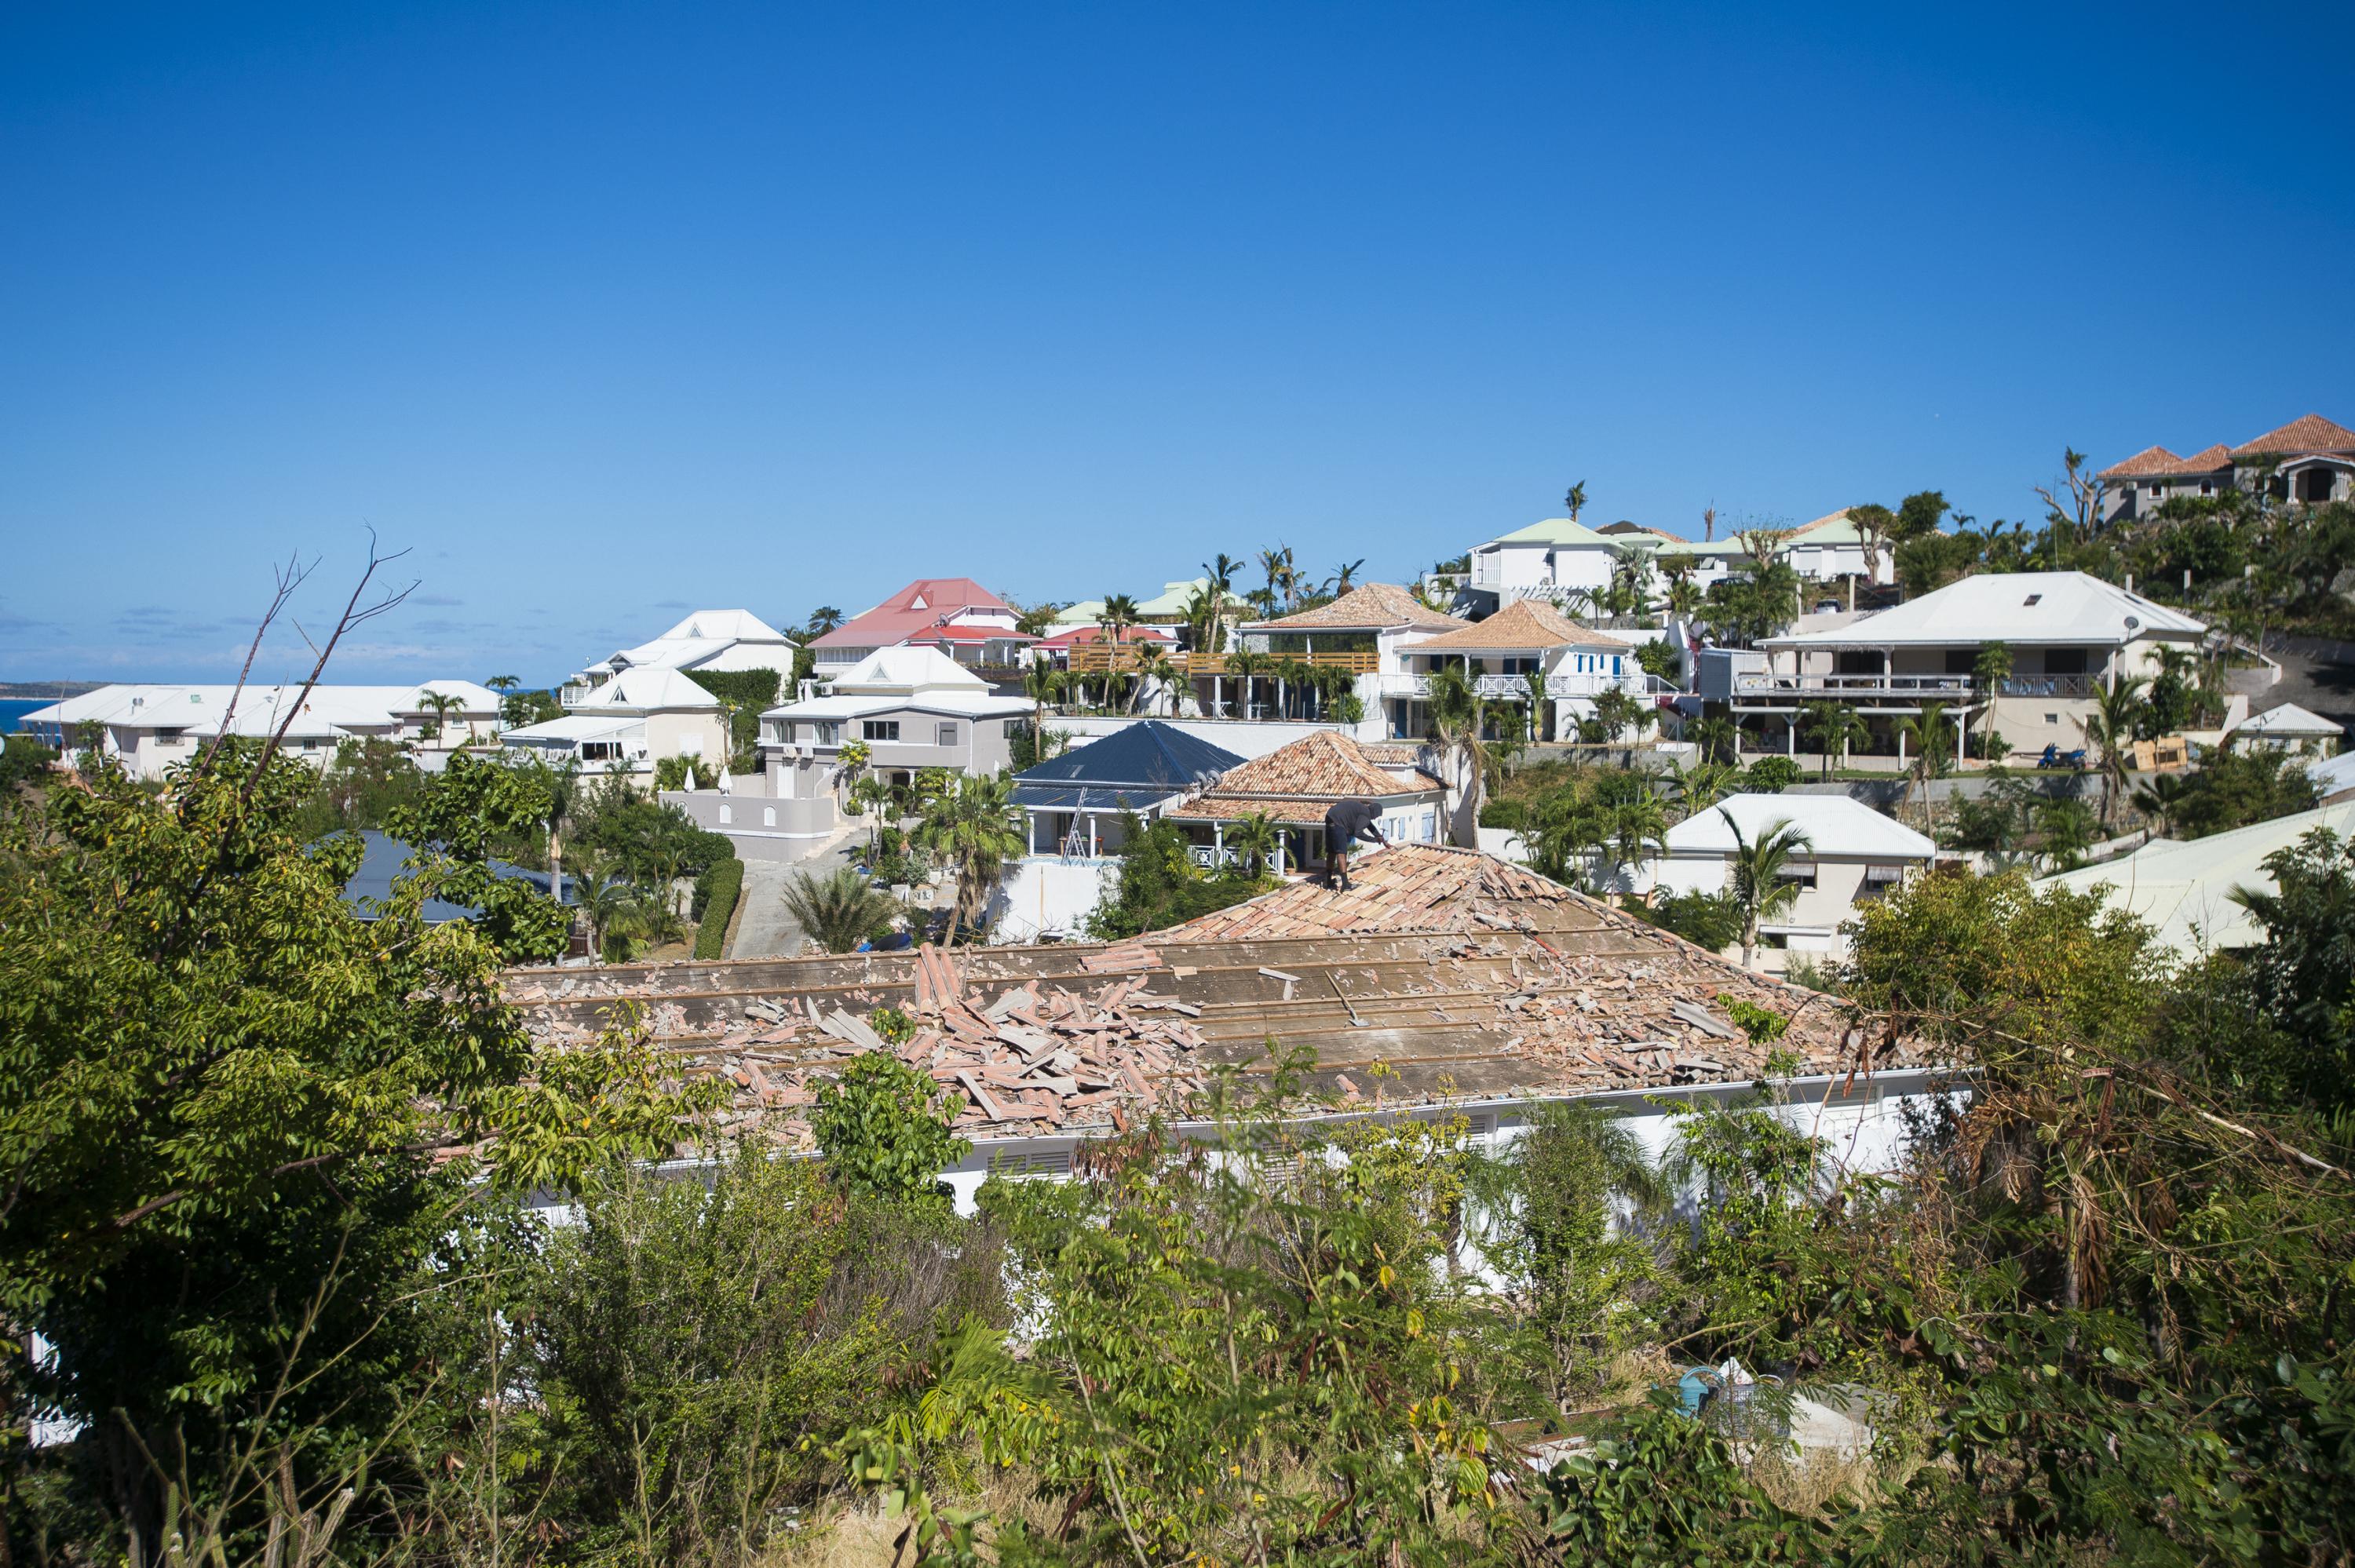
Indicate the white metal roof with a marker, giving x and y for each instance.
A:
(2290, 722)
(2183, 889)
(575, 728)
(2333, 774)
(651, 690)
(726, 626)
(2059, 609)
(201, 709)
(1836, 825)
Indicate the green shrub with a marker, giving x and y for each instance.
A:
(1770, 775)
(716, 892)
(1511, 814)
(885, 1129)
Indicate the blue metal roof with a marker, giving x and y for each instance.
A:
(1148, 758)
(381, 861)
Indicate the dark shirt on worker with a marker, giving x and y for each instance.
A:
(1348, 821)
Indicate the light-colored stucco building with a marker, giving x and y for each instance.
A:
(721, 641)
(631, 722)
(912, 707)
(150, 728)
(1854, 855)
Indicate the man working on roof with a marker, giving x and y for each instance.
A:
(1345, 824)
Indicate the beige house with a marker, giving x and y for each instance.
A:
(1853, 856)
(1295, 785)
(631, 722)
(2069, 635)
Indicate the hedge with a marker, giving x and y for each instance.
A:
(715, 891)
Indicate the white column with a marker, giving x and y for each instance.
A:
(1900, 744)
(1093, 852)
(1217, 843)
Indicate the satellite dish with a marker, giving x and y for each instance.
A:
(2133, 623)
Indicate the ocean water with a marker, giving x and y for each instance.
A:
(14, 708)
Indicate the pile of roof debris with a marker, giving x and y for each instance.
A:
(1035, 1058)
(1443, 974)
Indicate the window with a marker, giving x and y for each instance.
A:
(2206, 487)
(1519, 666)
(1803, 875)
(829, 735)
(879, 729)
(2154, 490)
(2064, 661)
(944, 734)
(2035, 597)
(2052, 718)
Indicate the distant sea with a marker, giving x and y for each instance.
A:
(14, 708)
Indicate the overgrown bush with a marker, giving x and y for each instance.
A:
(716, 892)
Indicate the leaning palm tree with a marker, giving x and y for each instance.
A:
(1221, 569)
(974, 829)
(1932, 741)
(1458, 716)
(1252, 839)
(839, 911)
(1760, 889)
(1346, 579)
(2110, 729)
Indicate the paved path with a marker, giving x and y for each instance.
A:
(766, 931)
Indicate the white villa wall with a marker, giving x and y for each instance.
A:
(1044, 895)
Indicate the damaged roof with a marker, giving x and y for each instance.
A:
(1449, 976)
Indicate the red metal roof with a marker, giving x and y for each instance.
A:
(926, 602)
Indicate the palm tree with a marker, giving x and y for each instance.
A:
(2161, 798)
(563, 788)
(1541, 707)
(1043, 684)
(1576, 500)
(872, 796)
(1684, 595)
(1835, 725)
(823, 620)
(1346, 579)
(2110, 728)
(1458, 716)
(1119, 613)
(1581, 604)
(1932, 741)
(1702, 785)
(1253, 840)
(442, 705)
(1244, 664)
(1716, 738)
(976, 828)
(1282, 576)
(604, 902)
(503, 684)
(840, 911)
(1221, 569)
(1629, 825)
(1156, 673)
(1760, 889)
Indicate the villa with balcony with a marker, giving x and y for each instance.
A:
(2308, 461)
(1501, 656)
(1299, 666)
(912, 708)
(2069, 635)
(724, 642)
(954, 616)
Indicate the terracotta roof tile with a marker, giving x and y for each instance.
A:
(2312, 433)
(1375, 607)
(2208, 459)
(1406, 887)
(1524, 623)
(2150, 459)
(1323, 767)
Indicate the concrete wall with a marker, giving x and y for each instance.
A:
(695, 733)
(762, 827)
(1043, 895)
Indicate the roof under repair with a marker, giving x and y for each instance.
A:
(1445, 974)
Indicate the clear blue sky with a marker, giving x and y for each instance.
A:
(607, 309)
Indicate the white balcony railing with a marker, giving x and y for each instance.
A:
(1515, 688)
(1811, 688)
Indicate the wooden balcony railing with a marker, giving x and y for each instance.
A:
(1356, 661)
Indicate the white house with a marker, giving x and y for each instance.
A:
(2183, 890)
(2069, 634)
(1547, 560)
(912, 707)
(717, 639)
(150, 728)
(631, 722)
(1854, 855)
(2289, 727)
(1501, 654)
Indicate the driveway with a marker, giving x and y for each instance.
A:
(766, 931)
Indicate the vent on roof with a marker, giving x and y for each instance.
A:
(918, 603)
(2031, 599)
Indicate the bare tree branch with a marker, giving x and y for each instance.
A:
(353, 615)
(289, 578)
